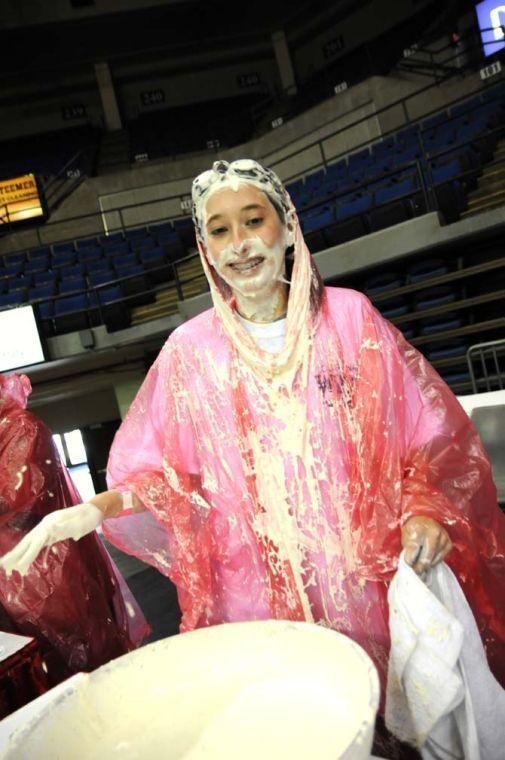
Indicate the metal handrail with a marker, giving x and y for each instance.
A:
(484, 351)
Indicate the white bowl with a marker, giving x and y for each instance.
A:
(241, 691)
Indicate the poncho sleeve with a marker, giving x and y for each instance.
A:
(154, 456)
(446, 475)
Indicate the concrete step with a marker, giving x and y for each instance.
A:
(497, 163)
(140, 319)
(494, 173)
(166, 301)
(185, 270)
(484, 207)
(487, 197)
(487, 188)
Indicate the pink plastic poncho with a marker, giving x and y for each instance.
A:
(276, 486)
(72, 600)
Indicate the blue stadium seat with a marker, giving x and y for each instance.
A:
(41, 250)
(359, 159)
(400, 190)
(118, 249)
(152, 257)
(42, 292)
(39, 265)
(384, 147)
(44, 278)
(72, 285)
(183, 223)
(18, 283)
(318, 221)
(426, 270)
(76, 270)
(108, 295)
(446, 172)
(90, 242)
(160, 227)
(98, 265)
(14, 268)
(339, 168)
(463, 108)
(67, 247)
(441, 324)
(71, 314)
(16, 298)
(408, 136)
(450, 350)
(113, 311)
(430, 298)
(408, 332)
(314, 180)
(120, 262)
(174, 249)
(15, 258)
(359, 206)
(383, 282)
(63, 259)
(434, 121)
(45, 311)
(137, 232)
(294, 188)
(135, 284)
(395, 308)
(89, 254)
(100, 278)
(131, 270)
(143, 244)
(111, 239)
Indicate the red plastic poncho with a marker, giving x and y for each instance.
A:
(278, 484)
(72, 600)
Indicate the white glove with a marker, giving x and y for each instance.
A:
(73, 522)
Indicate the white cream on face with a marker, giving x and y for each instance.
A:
(246, 243)
(253, 268)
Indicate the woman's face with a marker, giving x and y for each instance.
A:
(245, 239)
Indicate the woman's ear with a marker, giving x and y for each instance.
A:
(290, 235)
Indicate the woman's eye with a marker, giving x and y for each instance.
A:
(255, 221)
(218, 231)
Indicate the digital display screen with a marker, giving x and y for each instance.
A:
(20, 199)
(20, 343)
(491, 18)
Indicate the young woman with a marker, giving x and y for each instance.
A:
(287, 444)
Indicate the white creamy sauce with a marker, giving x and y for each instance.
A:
(250, 690)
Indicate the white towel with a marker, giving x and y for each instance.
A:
(441, 696)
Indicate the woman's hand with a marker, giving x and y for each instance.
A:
(425, 543)
(73, 522)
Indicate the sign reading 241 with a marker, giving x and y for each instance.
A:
(491, 16)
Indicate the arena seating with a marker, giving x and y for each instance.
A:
(383, 185)
(443, 306)
(85, 282)
(81, 283)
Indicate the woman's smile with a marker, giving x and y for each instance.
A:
(248, 267)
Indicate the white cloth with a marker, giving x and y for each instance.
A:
(269, 336)
(441, 696)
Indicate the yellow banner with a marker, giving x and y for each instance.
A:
(19, 199)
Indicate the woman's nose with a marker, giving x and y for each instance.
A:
(238, 237)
